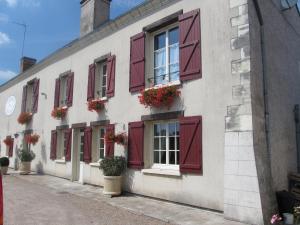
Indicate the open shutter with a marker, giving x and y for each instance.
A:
(91, 82)
(137, 63)
(191, 144)
(87, 154)
(35, 95)
(57, 93)
(190, 45)
(11, 148)
(136, 145)
(68, 134)
(70, 85)
(110, 145)
(24, 99)
(111, 70)
(53, 144)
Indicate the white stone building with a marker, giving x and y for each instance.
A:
(228, 141)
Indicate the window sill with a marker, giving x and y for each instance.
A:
(174, 83)
(96, 164)
(60, 161)
(164, 172)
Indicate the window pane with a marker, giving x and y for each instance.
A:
(172, 157)
(160, 75)
(101, 143)
(174, 54)
(101, 153)
(172, 129)
(104, 81)
(103, 91)
(104, 69)
(177, 129)
(160, 41)
(163, 157)
(163, 130)
(173, 36)
(177, 143)
(163, 143)
(156, 143)
(156, 157)
(156, 130)
(102, 133)
(171, 143)
(177, 155)
(160, 58)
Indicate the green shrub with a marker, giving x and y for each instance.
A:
(114, 166)
(26, 155)
(4, 162)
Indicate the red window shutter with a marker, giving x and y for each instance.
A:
(11, 149)
(136, 145)
(111, 70)
(70, 85)
(57, 93)
(68, 134)
(191, 144)
(87, 154)
(91, 82)
(53, 144)
(190, 45)
(110, 145)
(137, 62)
(24, 99)
(35, 95)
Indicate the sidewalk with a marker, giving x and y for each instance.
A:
(161, 210)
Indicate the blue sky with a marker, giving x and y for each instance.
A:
(51, 25)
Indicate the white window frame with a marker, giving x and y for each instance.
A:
(164, 30)
(63, 91)
(81, 144)
(99, 80)
(157, 165)
(99, 145)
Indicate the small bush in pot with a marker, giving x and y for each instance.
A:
(25, 156)
(4, 163)
(113, 167)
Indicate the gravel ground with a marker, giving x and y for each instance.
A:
(26, 203)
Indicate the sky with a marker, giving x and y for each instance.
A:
(51, 24)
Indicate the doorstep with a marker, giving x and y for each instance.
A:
(165, 211)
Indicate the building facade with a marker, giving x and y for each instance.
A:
(214, 147)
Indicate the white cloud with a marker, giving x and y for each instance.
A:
(11, 3)
(24, 3)
(6, 75)
(4, 39)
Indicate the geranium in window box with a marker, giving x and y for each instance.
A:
(120, 139)
(159, 97)
(96, 105)
(8, 141)
(24, 117)
(59, 112)
(32, 138)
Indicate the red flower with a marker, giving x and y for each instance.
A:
(120, 139)
(95, 105)
(159, 97)
(32, 139)
(8, 141)
(24, 117)
(59, 113)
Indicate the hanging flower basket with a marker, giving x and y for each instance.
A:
(95, 105)
(8, 141)
(32, 138)
(24, 118)
(159, 97)
(120, 139)
(59, 113)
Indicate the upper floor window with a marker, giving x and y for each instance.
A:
(30, 96)
(101, 80)
(166, 56)
(63, 91)
(63, 95)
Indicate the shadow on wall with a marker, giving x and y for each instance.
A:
(128, 178)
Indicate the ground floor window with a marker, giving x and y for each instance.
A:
(101, 143)
(81, 147)
(166, 144)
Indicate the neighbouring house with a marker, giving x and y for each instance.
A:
(203, 90)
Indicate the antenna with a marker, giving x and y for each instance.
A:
(24, 25)
(288, 4)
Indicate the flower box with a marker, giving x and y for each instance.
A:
(24, 118)
(32, 138)
(8, 141)
(120, 139)
(95, 105)
(59, 112)
(159, 97)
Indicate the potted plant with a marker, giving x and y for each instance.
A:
(4, 163)
(24, 118)
(32, 138)
(59, 112)
(113, 167)
(25, 156)
(8, 141)
(95, 105)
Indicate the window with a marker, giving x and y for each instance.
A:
(81, 147)
(166, 56)
(166, 144)
(29, 100)
(101, 143)
(101, 80)
(63, 91)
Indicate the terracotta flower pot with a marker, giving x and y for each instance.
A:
(4, 169)
(112, 185)
(25, 168)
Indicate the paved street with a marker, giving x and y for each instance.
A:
(30, 203)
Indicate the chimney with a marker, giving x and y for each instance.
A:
(26, 63)
(93, 14)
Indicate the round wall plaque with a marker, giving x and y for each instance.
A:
(10, 105)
